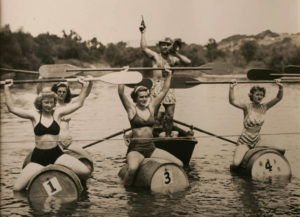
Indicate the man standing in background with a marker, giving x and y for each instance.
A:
(168, 56)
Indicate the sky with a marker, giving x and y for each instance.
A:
(194, 21)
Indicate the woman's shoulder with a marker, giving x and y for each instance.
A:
(264, 106)
(66, 118)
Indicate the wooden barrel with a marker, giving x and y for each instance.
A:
(159, 175)
(54, 183)
(264, 163)
(79, 154)
(83, 156)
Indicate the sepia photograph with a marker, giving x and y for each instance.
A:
(149, 108)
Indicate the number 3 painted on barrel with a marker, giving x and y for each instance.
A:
(167, 177)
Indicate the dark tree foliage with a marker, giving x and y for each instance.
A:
(21, 50)
(212, 51)
(195, 53)
(249, 49)
(279, 55)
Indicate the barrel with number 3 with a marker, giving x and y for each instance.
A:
(55, 182)
(159, 175)
(264, 163)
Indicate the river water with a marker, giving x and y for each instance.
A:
(213, 190)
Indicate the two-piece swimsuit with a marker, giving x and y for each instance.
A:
(46, 156)
(144, 146)
(253, 122)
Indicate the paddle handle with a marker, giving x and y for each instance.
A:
(243, 82)
(285, 74)
(204, 131)
(138, 69)
(106, 138)
(52, 80)
(18, 70)
(40, 81)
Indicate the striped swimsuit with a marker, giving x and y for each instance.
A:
(253, 122)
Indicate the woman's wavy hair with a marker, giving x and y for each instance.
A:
(55, 87)
(134, 94)
(254, 89)
(42, 95)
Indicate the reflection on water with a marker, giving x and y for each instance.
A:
(213, 190)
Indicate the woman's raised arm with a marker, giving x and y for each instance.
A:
(22, 113)
(71, 107)
(124, 99)
(232, 99)
(278, 96)
(167, 83)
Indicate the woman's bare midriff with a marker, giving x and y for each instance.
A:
(46, 141)
(143, 132)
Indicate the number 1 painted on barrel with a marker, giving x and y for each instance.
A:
(52, 186)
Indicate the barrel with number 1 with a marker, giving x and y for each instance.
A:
(264, 163)
(159, 175)
(56, 183)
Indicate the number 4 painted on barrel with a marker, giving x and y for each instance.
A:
(52, 186)
(268, 165)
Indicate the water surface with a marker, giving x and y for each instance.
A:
(213, 190)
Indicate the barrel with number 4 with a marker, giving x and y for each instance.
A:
(159, 175)
(263, 163)
(54, 182)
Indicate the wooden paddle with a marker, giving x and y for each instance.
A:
(292, 69)
(177, 82)
(67, 70)
(145, 82)
(131, 77)
(47, 71)
(187, 82)
(56, 71)
(106, 138)
(204, 131)
(19, 70)
(137, 69)
(267, 74)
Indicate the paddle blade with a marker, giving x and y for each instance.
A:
(123, 77)
(182, 82)
(292, 69)
(262, 74)
(145, 82)
(177, 81)
(56, 71)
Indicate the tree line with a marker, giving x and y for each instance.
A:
(20, 50)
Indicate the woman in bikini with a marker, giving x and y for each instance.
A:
(254, 113)
(46, 122)
(64, 97)
(141, 118)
